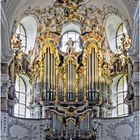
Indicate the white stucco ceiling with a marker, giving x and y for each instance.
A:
(14, 8)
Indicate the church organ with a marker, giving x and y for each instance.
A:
(76, 84)
(69, 80)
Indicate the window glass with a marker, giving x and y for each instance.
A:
(122, 108)
(21, 109)
(21, 33)
(75, 36)
(27, 31)
(121, 30)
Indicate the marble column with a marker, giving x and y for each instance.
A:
(7, 106)
(6, 57)
(4, 91)
(136, 85)
(134, 56)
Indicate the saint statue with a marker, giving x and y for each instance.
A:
(70, 44)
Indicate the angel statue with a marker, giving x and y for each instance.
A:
(70, 43)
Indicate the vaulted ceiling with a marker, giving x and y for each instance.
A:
(14, 8)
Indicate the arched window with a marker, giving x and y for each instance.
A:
(20, 90)
(27, 31)
(21, 33)
(122, 108)
(121, 30)
(75, 36)
(114, 31)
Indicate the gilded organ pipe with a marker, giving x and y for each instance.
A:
(85, 82)
(99, 83)
(89, 90)
(51, 71)
(76, 87)
(110, 90)
(45, 75)
(87, 78)
(93, 75)
(64, 86)
(106, 90)
(56, 81)
(73, 94)
(72, 81)
(68, 80)
(70, 77)
(41, 79)
(96, 73)
(48, 72)
(54, 78)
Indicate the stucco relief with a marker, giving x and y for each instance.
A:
(22, 131)
(45, 128)
(4, 86)
(27, 129)
(35, 129)
(119, 130)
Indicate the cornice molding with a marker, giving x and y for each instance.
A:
(136, 13)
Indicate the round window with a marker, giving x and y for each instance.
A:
(71, 41)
